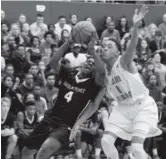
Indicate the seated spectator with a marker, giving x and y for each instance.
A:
(41, 105)
(33, 54)
(64, 37)
(60, 26)
(123, 27)
(111, 32)
(162, 26)
(154, 89)
(8, 136)
(151, 31)
(38, 28)
(9, 70)
(89, 133)
(27, 85)
(49, 91)
(51, 28)
(76, 58)
(73, 20)
(22, 19)
(5, 28)
(160, 69)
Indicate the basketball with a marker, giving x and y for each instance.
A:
(83, 31)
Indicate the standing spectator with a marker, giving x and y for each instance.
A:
(38, 28)
(111, 32)
(162, 26)
(61, 25)
(123, 27)
(49, 92)
(160, 69)
(21, 21)
(8, 136)
(89, 19)
(73, 20)
(152, 29)
(33, 54)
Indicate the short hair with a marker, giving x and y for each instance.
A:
(50, 74)
(49, 33)
(62, 16)
(20, 45)
(6, 99)
(9, 65)
(39, 15)
(30, 103)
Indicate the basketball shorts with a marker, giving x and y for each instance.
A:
(126, 121)
(47, 129)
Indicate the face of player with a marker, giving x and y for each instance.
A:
(10, 70)
(50, 80)
(5, 106)
(8, 82)
(87, 68)
(31, 110)
(152, 80)
(109, 50)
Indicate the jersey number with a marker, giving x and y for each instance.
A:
(68, 96)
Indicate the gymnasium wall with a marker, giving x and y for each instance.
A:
(95, 10)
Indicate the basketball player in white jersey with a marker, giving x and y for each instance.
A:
(135, 116)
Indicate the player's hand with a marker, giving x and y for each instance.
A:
(137, 18)
(73, 132)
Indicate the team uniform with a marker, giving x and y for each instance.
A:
(135, 108)
(74, 96)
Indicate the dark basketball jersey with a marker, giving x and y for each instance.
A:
(30, 124)
(8, 122)
(74, 95)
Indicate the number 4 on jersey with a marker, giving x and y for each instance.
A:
(68, 96)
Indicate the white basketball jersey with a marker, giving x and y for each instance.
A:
(125, 87)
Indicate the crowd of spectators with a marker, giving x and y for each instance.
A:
(29, 88)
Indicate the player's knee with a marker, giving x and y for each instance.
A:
(26, 152)
(13, 139)
(99, 133)
(79, 133)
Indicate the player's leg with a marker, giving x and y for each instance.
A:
(11, 144)
(107, 142)
(98, 143)
(78, 142)
(28, 153)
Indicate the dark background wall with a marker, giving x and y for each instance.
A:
(95, 10)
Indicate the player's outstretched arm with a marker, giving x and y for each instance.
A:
(128, 56)
(56, 57)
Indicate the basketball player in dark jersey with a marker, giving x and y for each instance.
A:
(75, 103)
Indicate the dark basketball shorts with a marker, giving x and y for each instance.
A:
(88, 138)
(45, 130)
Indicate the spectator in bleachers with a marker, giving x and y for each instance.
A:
(152, 29)
(3, 15)
(3, 64)
(51, 28)
(89, 19)
(22, 19)
(123, 26)
(111, 31)
(64, 37)
(62, 25)
(49, 91)
(38, 28)
(160, 69)
(9, 69)
(33, 54)
(26, 32)
(162, 26)
(73, 20)
(8, 136)
(5, 28)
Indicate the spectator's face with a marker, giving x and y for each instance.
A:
(11, 40)
(36, 42)
(25, 27)
(8, 82)
(37, 90)
(2, 15)
(31, 110)
(109, 49)
(17, 80)
(30, 97)
(160, 106)
(50, 80)
(34, 70)
(164, 18)
(51, 28)
(89, 20)
(152, 80)
(4, 28)
(144, 44)
(22, 18)
(49, 38)
(74, 19)
(15, 30)
(10, 70)
(66, 34)
(5, 106)
(21, 51)
(42, 65)
(150, 69)
(158, 37)
(62, 22)
(108, 20)
(111, 26)
(40, 20)
(152, 29)
(76, 50)
(123, 21)
(29, 79)
(157, 58)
